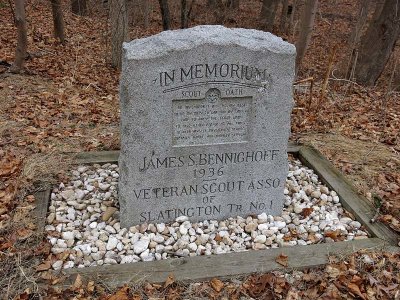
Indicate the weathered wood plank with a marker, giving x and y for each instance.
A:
(223, 266)
(293, 147)
(40, 211)
(112, 156)
(96, 157)
(349, 197)
(393, 249)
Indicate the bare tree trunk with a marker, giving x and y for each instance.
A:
(22, 42)
(354, 40)
(146, 11)
(378, 42)
(12, 10)
(119, 30)
(292, 15)
(233, 4)
(219, 12)
(283, 21)
(184, 14)
(186, 11)
(267, 15)
(211, 3)
(306, 27)
(134, 9)
(58, 20)
(79, 7)
(378, 9)
(362, 18)
(166, 19)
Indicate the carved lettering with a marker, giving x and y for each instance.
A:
(212, 120)
(215, 71)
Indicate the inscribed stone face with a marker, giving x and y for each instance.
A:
(205, 120)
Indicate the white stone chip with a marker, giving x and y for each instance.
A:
(78, 226)
(141, 245)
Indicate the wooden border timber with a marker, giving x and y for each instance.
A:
(241, 263)
(199, 268)
(350, 199)
(96, 157)
(40, 211)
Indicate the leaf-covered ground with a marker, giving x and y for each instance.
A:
(67, 101)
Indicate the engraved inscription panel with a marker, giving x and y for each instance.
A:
(212, 120)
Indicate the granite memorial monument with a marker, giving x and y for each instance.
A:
(205, 122)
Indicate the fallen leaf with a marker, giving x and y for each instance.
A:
(372, 280)
(307, 211)
(218, 238)
(58, 280)
(170, 280)
(6, 245)
(149, 288)
(121, 294)
(355, 289)
(293, 294)
(312, 237)
(261, 286)
(77, 283)
(334, 235)
(44, 266)
(30, 198)
(388, 288)
(332, 271)
(309, 277)
(137, 296)
(9, 165)
(216, 284)
(47, 275)
(24, 233)
(90, 286)
(282, 259)
(331, 293)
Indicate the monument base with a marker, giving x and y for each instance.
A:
(241, 263)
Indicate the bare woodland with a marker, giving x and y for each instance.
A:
(60, 63)
(370, 48)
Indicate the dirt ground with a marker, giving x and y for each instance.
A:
(67, 101)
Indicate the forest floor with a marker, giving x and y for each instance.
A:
(67, 101)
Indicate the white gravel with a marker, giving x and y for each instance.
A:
(84, 220)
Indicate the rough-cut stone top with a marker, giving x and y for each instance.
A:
(182, 40)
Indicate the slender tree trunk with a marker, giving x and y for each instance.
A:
(119, 30)
(184, 14)
(378, 42)
(292, 16)
(306, 27)
(166, 19)
(233, 4)
(219, 12)
(134, 9)
(267, 15)
(378, 9)
(362, 18)
(283, 20)
(22, 42)
(146, 12)
(79, 7)
(58, 20)
(354, 40)
(211, 3)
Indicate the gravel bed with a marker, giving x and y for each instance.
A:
(83, 221)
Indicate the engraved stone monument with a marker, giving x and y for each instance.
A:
(205, 121)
